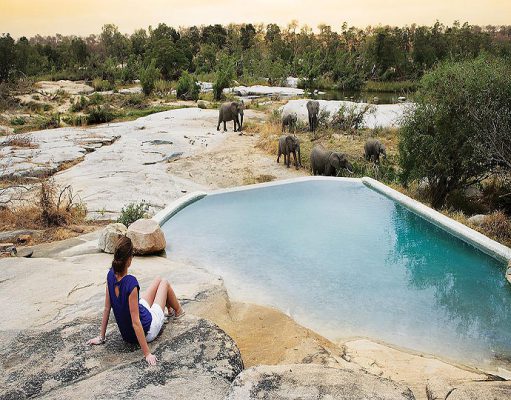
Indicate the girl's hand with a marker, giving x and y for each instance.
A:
(151, 359)
(97, 340)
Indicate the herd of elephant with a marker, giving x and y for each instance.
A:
(323, 161)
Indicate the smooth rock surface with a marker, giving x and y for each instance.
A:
(110, 235)
(260, 90)
(490, 390)
(313, 382)
(477, 219)
(70, 87)
(147, 237)
(197, 360)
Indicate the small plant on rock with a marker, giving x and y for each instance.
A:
(133, 212)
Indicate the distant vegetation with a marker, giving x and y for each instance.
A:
(346, 59)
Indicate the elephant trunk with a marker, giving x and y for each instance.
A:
(241, 121)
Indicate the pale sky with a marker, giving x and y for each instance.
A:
(82, 17)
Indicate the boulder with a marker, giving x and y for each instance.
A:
(147, 236)
(109, 237)
(477, 219)
(312, 381)
(197, 360)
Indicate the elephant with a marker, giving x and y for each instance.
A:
(289, 120)
(289, 145)
(373, 149)
(328, 163)
(229, 112)
(313, 110)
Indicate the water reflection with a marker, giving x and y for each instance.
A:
(472, 296)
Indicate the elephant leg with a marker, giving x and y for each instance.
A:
(236, 123)
(294, 157)
(288, 159)
(225, 126)
(278, 155)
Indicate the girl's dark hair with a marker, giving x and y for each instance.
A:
(123, 251)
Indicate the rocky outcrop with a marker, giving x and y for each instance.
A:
(477, 219)
(491, 390)
(109, 237)
(147, 237)
(311, 381)
(197, 360)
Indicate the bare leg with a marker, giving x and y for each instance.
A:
(150, 293)
(165, 296)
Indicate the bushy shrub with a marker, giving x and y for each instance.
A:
(148, 77)
(80, 104)
(187, 87)
(223, 80)
(134, 100)
(133, 212)
(18, 121)
(102, 85)
(100, 115)
(49, 122)
(444, 137)
(163, 87)
(351, 117)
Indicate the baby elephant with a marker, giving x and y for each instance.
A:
(372, 150)
(289, 120)
(231, 111)
(290, 145)
(328, 163)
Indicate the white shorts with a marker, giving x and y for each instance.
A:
(157, 322)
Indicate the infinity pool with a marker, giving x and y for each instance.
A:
(347, 261)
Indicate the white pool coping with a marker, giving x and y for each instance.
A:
(468, 235)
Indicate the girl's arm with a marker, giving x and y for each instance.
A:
(104, 321)
(137, 327)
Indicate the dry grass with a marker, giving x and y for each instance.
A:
(352, 145)
(19, 141)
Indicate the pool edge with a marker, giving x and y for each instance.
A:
(177, 205)
(463, 232)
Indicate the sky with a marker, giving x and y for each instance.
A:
(78, 17)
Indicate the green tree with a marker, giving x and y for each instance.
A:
(7, 56)
(148, 77)
(442, 136)
(187, 87)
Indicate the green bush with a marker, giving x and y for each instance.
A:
(80, 104)
(50, 122)
(187, 87)
(447, 136)
(163, 87)
(133, 212)
(223, 80)
(102, 85)
(100, 115)
(134, 101)
(148, 77)
(18, 121)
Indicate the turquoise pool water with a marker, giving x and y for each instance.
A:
(347, 261)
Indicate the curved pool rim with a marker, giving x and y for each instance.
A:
(463, 232)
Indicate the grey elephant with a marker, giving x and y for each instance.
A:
(231, 111)
(373, 149)
(289, 145)
(313, 111)
(289, 120)
(328, 163)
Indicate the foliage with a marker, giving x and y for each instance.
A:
(18, 121)
(133, 212)
(442, 137)
(350, 117)
(148, 77)
(187, 87)
(100, 115)
(162, 87)
(80, 104)
(102, 85)
(223, 80)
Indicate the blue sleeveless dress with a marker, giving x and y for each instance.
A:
(121, 307)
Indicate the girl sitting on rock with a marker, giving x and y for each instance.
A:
(138, 316)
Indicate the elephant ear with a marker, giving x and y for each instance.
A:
(234, 108)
